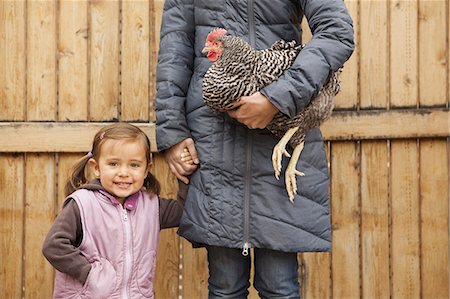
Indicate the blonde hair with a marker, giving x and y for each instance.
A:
(116, 131)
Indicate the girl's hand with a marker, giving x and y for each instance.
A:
(254, 111)
(179, 167)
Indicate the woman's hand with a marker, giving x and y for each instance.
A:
(174, 157)
(254, 111)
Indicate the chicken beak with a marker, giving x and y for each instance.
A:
(205, 50)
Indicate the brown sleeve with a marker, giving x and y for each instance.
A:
(170, 210)
(61, 246)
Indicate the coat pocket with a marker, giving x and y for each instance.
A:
(101, 280)
(146, 273)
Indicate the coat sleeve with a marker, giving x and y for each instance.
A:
(330, 46)
(174, 71)
(61, 246)
(170, 210)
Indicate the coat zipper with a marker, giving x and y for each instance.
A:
(127, 261)
(249, 146)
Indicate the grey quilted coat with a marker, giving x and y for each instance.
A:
(234, 198)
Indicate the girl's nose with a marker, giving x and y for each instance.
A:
(123, 171)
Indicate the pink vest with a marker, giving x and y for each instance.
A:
(120, 243)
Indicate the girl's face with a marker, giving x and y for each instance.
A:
(122, 167)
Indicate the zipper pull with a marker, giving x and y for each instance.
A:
(245, 249)
(125, 215)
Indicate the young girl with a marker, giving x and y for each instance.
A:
(103, 243)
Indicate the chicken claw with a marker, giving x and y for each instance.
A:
(292, 172)
(280, 149)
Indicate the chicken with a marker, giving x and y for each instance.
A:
(239, 70)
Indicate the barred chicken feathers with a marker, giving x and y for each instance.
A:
(241, 70)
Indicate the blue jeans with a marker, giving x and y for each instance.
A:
(276, 273)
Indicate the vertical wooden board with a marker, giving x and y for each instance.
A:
(375, 219)
(39, 214)
(66, 162)
(345, 220)
(12, 51)
(347, 98)
(156, 18)
(195, 271)
(434, 178)
(41, 60)
(104, 60)
(373, 50)
(11, 225)
(404, 190)
(432, 53)
(135, 75)
(403, 53)
(73, 60)
(316, 273)
(167, 263)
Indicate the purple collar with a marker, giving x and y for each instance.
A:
(130, 203)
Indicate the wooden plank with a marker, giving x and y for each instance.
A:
(55, 137)
(432, 53)
(39, 214)
(403, 54)
(66, 161)
(434, 223)
(104, 60)
(11, 224)
(375, 219)
(73, 61)
(195, 271)
(77, 136)
(404, 191)
(345, 217)
(316, 275)
(391, 124)
(41, 60)
(347, 98)
(167, 264)
(135, 76)
(373, 52)
(12, 51)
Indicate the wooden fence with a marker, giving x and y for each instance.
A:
(69, 67)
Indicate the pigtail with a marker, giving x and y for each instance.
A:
(78, 176)
(152, 185)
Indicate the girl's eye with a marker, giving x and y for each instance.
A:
(113, 163)
(135, 165)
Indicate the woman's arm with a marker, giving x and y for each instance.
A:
(330, 46)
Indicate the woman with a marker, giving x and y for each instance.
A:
(234, 201)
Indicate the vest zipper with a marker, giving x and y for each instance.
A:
(249, 146)
(127, 264)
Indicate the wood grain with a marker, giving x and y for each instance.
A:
(434, 222)
(345, 220)
(135, 58)
(40, 205)
(12, 51)
(375, 219)
(41, 60)
(404, 190)
(11, 224)
(373, 50)
(73, 79)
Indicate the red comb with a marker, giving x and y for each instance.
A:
(215, 33)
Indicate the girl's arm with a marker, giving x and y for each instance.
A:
(170, 210)
(61, 244)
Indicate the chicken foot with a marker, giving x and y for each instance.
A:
(277, 155)
(292, 172)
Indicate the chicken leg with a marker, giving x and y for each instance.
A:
(277, 155)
